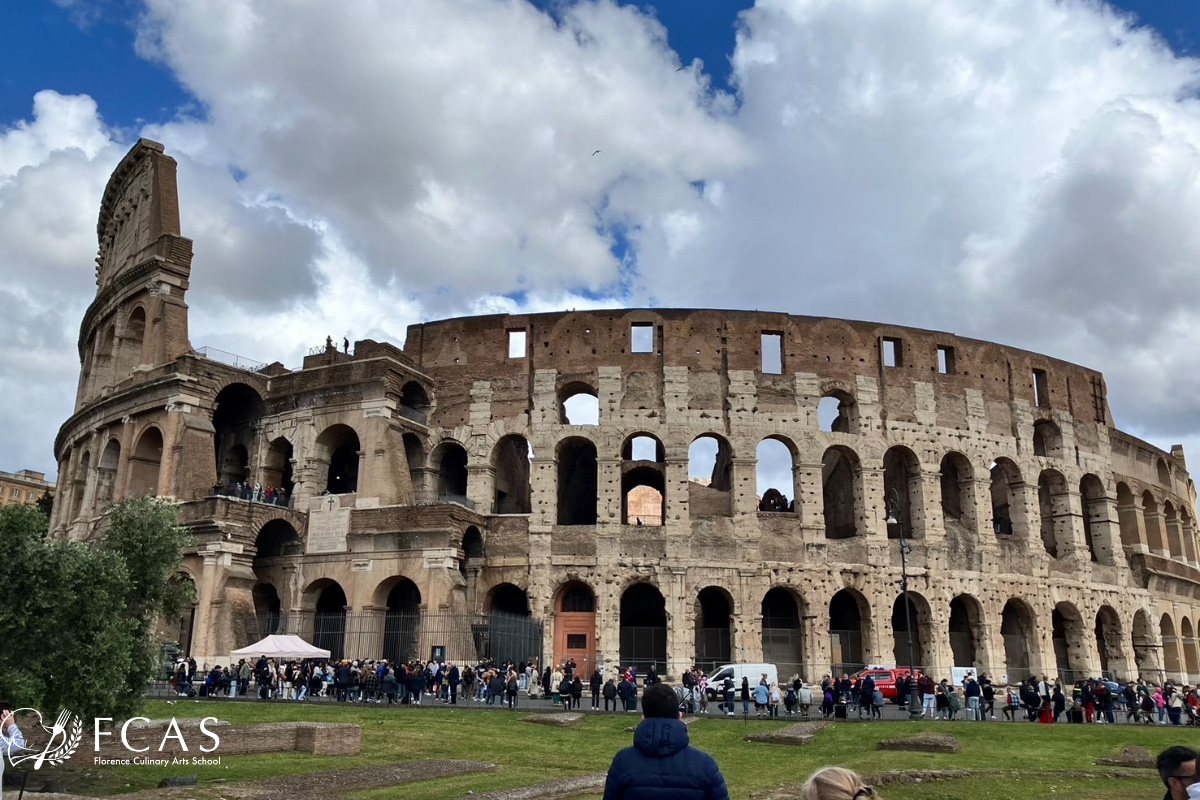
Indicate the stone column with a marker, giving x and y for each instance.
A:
(481, 483)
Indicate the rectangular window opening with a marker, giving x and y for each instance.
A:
(772, 353)
(1041, 389)
(641, 337)
(945, 356)
(577, 641)
(1098, 400)
(516, 344)
(893, 353)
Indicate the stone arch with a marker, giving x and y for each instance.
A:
(1006, 487)
(1163, 472)
(472, 545)
(337, 451)
(1144, 647)
(775, 474)
(966, 630)
(449, 462)
(1127, 517)
(1109, 644)
(278, 468)
(1047, 439)
(1067, 635)
(106, 478)
(327, 599)
(783, 611)
(849, 631)
(236, 411)
(957, 478)
(276, 538)
(507, 598)
(902, 480)
(578, 404)
(842, 492)
(1019, 631)
(414, 457)
(1155, 534)
(1172, 663)
(414, 403)
(1095, 512)
(1054, 505)
(920, 617)
(132, 341)
(710, 474)
(837, 412)
(578, 481)
(643, 627)
(714, 614)
(644, 447)
(575, 624)
(146, 463)
(643, 480)
(400, 598)
(1191, 655)
(1174, 535)
(510, 460)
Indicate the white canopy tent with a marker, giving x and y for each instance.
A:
(279, 646)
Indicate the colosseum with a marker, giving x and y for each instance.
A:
(588, 485)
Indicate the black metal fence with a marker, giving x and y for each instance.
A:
(401, 636)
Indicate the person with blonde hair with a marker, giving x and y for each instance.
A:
(836, 783)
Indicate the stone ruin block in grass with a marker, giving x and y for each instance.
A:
(922, 743)
(1130, 756)
(800, 734)
(562, 719)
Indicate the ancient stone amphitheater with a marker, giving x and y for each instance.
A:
(591, 484)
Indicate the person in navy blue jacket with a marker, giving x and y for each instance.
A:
(661, 765)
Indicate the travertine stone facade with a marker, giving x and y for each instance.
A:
(444, 479)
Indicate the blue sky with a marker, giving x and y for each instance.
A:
(89, 49)
(1025, 172)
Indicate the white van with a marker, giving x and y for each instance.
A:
(753, 672)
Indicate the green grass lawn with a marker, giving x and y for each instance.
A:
(526, 754)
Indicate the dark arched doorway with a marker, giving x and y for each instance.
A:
(643, 628)
(714, 617)
(782, 632)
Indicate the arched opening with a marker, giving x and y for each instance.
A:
(510, 460)
(841, 477)
(102, 368)
(450, 459)
(849, 631)
(578, 405)
(1016, 627)
(578, 480)
(187, 619)
(106, 479)
(837, 413)
(710, 477)
(775, 476)
(329, 618)
(276, 538)
(402, 622)
(714, 620)
(131, 344)
(506, 598)
(1188, 530)
(268, 611)
(918, 616)
(1047, 439)
(956, 479)
(1006, 482)
(79, 485)
(1054, 507)
(414, 403)
(339, 444)
(1127, 516)
(1095, 513)
(643, 481)
(902, 479)
(277, 471)
(1191, 657)
(1067, 637)
(1174, 535)
(1164, 472)
(472, 544)
(1170, 645)
(236, 411)
(643, 628)
(575, 626)
(782, 632)
(145, 463)
(1144, 647)
(966, 627)
(1108, 644)
(1155, 534)
(514, 634)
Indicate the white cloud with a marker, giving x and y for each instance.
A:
(1024, 172)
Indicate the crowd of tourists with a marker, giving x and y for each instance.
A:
(253, 492)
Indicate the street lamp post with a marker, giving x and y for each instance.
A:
(893, 518)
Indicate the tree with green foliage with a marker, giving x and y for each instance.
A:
(45, 503)
(78, 620)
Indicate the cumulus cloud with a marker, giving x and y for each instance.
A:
(1024, 172)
